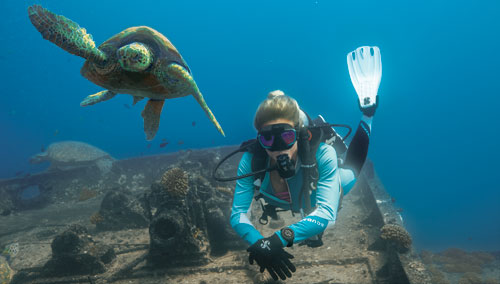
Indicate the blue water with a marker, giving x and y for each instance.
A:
(434, 139)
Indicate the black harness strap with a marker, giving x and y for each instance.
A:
(259, 160)
(308, 145)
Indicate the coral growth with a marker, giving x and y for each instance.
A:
(397, 235)
(96, 218)
(225, 190)
(175, 182)
(6, 272)
(87, 194)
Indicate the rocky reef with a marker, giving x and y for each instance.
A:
(74, 252)
(455, 265)
(188, 223)
(163, 219)
(6, 203)
(120, 210)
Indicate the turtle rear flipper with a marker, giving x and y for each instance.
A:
(183, 77)
(136, 99)
(65, 33)
(97, 98)
(151, 115)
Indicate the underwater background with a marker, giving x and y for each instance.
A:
(434, 137)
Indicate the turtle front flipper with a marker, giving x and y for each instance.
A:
(97, 98)
(151, 116)
(180, 76)
(65, 33)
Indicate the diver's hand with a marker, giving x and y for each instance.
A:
(370, 109)
(269, 254)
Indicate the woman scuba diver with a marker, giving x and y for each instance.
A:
(293, 165)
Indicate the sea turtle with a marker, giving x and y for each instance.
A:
(71, 154)
(139, 61)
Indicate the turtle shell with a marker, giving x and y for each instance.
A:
(74, 152)
(112, 77)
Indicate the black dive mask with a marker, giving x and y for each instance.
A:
(277, 137)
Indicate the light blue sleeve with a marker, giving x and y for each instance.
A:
(327, 197)
(347, 179)
(243, 195)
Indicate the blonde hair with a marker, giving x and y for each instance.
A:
(277, 105)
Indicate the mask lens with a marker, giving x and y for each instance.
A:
(288, 137)
(266, 140)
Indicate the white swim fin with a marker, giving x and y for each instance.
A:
(365, 69)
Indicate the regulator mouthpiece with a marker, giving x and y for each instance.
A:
(286, 167)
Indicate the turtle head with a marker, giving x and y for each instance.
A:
(134, 57)
(38, 158)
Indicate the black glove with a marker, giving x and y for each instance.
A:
(369, 111)
(270, 255)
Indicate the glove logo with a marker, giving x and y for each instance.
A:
(265, 245)
(366, 101)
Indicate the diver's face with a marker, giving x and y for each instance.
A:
(291, 152)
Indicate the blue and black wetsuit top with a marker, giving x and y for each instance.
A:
(325, 198)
